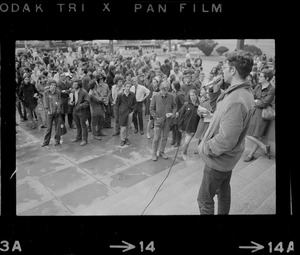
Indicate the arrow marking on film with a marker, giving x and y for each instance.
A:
(257, 247)
(128, 246)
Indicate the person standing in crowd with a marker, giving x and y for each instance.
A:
(187, 86)
(154, 88)
(52, 97)
(104, 93)
(20, 104)
(97, 113)
(28, 95)
(224, 140)
(264, 94)
(88, 76)
(125, 104)
(41, 86)
(65, 88)
(81, 103)
(162, 108)
(179, 100)
(166, 68)
(154, 62)
(204, 115)
(115, 91)
(175, 71)
(188, 120)
(141, 93)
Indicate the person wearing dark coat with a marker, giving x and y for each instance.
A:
(81, 103)
(179, 100)
(85, 85)
(65, 88)
(166, 68)
(20, 104)
(188, 120)
(264, 94)
(126, 104)
(28, 95)
(96, 107)
(52, 99)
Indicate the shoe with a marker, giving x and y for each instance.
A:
(83, 143)
(42, 126)
(172, 143)
(57, 143)
(123, 143)
(102, 134)
(148, 136)
(184, 157)
(97, 137)
(196, 152)
(127, 142)
(75, 140)
(248, 159)
(163, 155)
(142, 132)
(116, 133)
(268, 151)
(45, 144)
(89, 129)
(135, 131)
(154, 158)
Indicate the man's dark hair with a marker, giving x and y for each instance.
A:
(117, 78)
(177, 85)
(242, 61)
(79, 82)
(92, 84)
(85, 70)
(268, 74)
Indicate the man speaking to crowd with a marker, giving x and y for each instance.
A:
(224, 140)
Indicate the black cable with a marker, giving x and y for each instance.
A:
(162, 181)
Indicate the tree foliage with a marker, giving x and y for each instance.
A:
(206, 46)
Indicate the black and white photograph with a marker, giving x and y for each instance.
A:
(157, 127)
(134, 114)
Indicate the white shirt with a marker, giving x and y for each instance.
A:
(141, 93)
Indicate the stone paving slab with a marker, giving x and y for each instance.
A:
(52, 207)
(65, 181)
(85, 196)
(31, 193)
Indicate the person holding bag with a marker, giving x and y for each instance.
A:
(264, 94)
(52, 98)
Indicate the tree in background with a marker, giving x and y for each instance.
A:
(206, 46)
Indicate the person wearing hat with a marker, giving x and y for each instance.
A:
(28, 95)
(162, 108)
(52, 98)
(141, 93)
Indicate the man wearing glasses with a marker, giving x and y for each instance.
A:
(162, 108)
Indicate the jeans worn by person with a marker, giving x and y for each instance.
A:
(52, 117)
(124, 129)
(214, 182)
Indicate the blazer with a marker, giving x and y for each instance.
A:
(82, 104)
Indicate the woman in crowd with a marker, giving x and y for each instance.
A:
(264, 94)
(188, 120)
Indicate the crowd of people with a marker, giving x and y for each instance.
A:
(97, 91)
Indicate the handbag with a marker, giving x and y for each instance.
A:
(61, 127)
(268, 113)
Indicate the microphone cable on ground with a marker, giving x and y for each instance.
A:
(162, 181)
